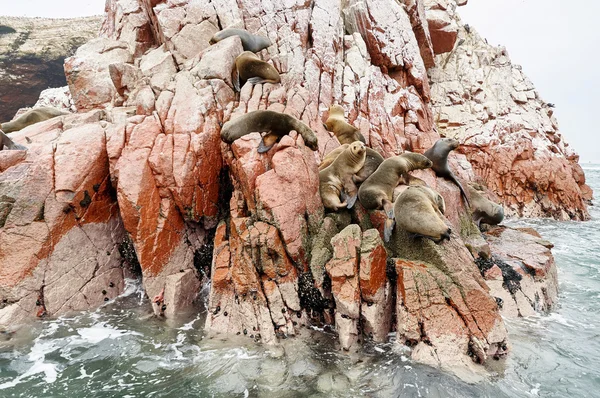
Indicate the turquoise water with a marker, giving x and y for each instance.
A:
(118, 351)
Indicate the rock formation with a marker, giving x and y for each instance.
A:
(139, 181)
(507, 132)
(32, 52)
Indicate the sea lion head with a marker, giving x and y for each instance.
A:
(418, 161)
(450, 143)
(336, 111)
(358, 148)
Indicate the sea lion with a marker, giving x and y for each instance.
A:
(417, 211)
(8, 143)
(438, 154)
(335, 181)
(484, 210)
(30, 117)
(377, 191)
(344, 131)
(372, 161)
(250, 68)
(250, 42)
(274, 123)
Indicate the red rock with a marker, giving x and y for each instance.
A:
(343, 271)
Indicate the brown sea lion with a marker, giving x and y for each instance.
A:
(250, 68)
(484, 210)
(250, 42)
(344, 131)
(377, 191)
(372, 161)
(30, 117)
(438, 154)
(274, 123)
(418, 210)
(335, 181)
(8, 143)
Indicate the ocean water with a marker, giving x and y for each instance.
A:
(118, 351)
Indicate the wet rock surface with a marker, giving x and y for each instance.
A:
(139, 182)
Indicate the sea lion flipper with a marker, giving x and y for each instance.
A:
(388, 228)
(262, 148)
(462, 191)
(267, 142)
(235, 79)
(257, 80)
(9, 144)
(351, 201)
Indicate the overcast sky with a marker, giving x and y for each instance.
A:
(51, 8)
(556, 42)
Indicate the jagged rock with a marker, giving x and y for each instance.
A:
(32, 52)
(522, 272)
(343, 271)
(507, 132)
(375, 288)
(444, 308)
(61, 229)
(87, 72)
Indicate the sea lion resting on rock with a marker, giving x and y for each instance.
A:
(372, 161)
(274, 123)
(438, 154)
(30, 117)
(377, 191)
(484, 210)
(8, 143)
(344, 131)
(335, 181)
(250, 68)
(418, 210)
(250, 42)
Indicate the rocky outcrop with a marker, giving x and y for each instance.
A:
(32, 51)
(506, 130)
(521, 272)
(142, 162)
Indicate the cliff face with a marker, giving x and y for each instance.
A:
(140, 178)
(32, 52)
(507, 132)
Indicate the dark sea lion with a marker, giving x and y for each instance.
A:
(335, 181)
(377, 191)
(250, 42)
(344, 131)
(250, 68)
(30, 117)
(8, 143)
(438, 154)
(372, 162)
(417, 211)
(274, 123)
(484, 210)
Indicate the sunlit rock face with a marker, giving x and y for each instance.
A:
(32, 52)
(138, 182)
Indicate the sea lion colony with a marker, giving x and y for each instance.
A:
(350, 172)
(353, 171)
